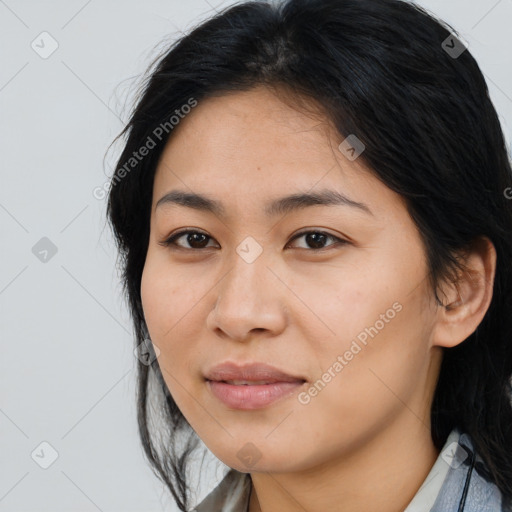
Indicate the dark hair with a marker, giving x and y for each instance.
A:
(378, 69)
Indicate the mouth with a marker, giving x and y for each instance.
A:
(250, 374)
(253, 382)
(250, 386)
(246, 382)
(248, 395)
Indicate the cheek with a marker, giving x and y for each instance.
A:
(167, 296)
(171, 301)
(156, 298)
(163, 307)
(337, 304)
(374, 321)
(362, 386)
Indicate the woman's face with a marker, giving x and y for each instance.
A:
(346, 308)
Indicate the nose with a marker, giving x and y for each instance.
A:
(250, 299)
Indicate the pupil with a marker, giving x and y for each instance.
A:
(195, 236)
(312, 239)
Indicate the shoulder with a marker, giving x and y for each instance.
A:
(468, 486)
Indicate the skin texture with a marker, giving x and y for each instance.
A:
(364, 440)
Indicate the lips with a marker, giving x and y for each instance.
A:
(250, 374)
(251, 386)
(247, 382)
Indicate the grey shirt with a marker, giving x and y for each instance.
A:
(457, 482)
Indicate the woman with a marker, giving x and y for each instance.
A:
(315, 235)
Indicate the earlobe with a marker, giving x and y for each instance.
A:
(467, 301)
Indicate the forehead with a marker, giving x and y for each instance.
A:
(249, 145)
(256, 124)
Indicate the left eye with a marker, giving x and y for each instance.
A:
(316, 239)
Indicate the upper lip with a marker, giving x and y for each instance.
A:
(250, 372)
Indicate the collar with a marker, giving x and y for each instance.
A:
(468, 486)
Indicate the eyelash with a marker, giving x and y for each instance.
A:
(171, 241)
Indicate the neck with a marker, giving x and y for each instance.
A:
(383, 473)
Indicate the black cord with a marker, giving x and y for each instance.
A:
(466, 484)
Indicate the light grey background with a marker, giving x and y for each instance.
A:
(67, 365)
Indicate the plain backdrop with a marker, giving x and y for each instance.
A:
(67, 376)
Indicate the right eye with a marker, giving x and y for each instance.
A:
(195, 240)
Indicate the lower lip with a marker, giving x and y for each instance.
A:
(251, 397)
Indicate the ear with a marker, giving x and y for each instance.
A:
(467, 300)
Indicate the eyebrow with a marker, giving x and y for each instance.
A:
(281, 206)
